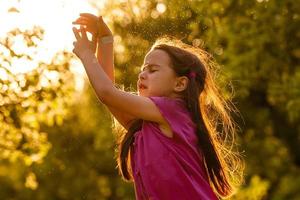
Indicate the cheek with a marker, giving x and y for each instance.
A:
(161, 81)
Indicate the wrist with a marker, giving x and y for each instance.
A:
(88, 57)
(106, 39)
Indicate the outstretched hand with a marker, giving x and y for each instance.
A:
(93, 24)
(82, 45)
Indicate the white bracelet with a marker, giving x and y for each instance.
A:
(106, 39)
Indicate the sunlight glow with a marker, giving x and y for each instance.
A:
(55, 17)
(161, 8)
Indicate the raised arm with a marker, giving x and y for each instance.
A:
(104, 51)
(138, 106)
(105, 57)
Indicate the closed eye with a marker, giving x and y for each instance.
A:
(149, 68)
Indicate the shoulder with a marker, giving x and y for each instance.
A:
(167, 101)
(169, 106)
(173, 112)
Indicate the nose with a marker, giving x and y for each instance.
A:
(142, 75)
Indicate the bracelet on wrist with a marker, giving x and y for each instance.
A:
(106, 39)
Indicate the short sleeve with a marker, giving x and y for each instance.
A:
(171, 110)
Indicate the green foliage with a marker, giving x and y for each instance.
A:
(257, 46)
(80, 164)
(64, 139)
(30, 99)
(256, 189)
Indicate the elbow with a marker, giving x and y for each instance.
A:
(104, 94)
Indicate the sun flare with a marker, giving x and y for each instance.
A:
(54, 17)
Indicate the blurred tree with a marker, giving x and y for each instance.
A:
(257, 46)
(69, 150)
(80, 164)
(57, 144)
(29, 99)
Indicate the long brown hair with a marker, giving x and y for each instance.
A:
(210, 112)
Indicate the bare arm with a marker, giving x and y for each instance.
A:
(106, 59)
(137, 106)
(123, 104)
(104, 52)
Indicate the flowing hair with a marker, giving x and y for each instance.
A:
(210, 112)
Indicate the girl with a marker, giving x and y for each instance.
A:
(172, 149)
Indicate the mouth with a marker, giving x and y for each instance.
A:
(142, 87)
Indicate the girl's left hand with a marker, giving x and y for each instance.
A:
(82, 45)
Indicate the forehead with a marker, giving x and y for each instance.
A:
(157, 56)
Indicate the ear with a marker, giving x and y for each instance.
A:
(181, 83)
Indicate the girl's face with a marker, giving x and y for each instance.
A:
(156, 78)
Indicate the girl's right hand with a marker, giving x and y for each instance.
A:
(93, 24)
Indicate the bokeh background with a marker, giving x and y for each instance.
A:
(56, 139)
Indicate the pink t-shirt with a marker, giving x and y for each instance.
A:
(169, 168)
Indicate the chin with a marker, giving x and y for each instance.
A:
(142, 94)
(145, 93)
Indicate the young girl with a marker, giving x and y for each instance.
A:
(172, 149)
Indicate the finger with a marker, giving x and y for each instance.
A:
(88, 27)
(84, 18)
(83, 33)
(77, 36)
(94, 42)
(74, 51)
(94, 38)
(81, 21)
(88, 15)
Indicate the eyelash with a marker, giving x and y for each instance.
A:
(151, 71)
